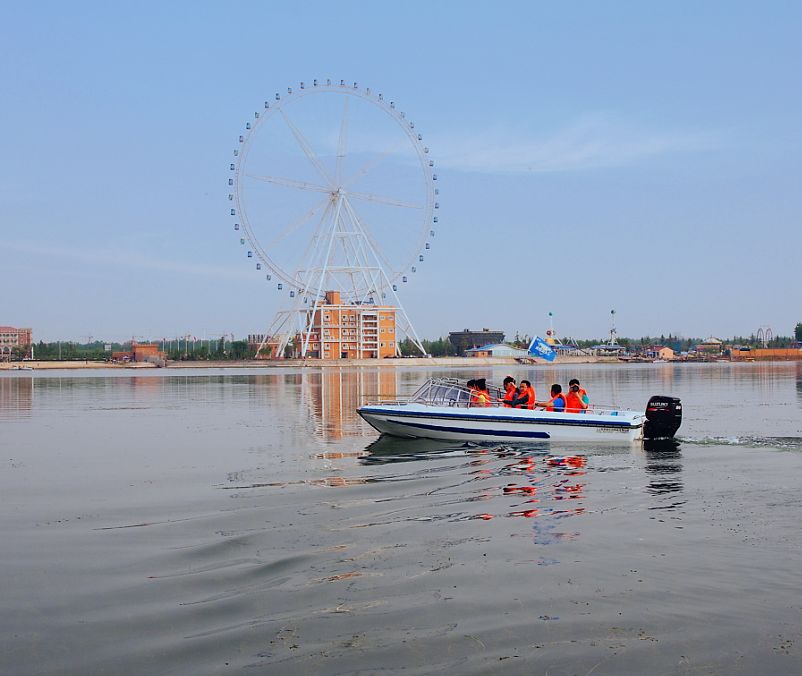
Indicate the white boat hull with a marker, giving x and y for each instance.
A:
(415, 420)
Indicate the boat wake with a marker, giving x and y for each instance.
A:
(749, 441)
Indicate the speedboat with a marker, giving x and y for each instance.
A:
(445, 409)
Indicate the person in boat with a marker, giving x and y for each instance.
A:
(471, 385)
(477, 397)
(557, 401)
(484, 394)
(525, 397)
(510, 391)
(576, 399)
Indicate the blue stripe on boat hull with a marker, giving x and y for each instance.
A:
(463, 430)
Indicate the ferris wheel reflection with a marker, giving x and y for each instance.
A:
(332, 396)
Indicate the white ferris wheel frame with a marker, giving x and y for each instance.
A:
(371, 274)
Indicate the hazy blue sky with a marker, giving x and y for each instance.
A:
(637, 156)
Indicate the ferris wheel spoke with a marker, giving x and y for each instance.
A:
(290, 183)
(295, 225)
(313, 253)
(304, 144)
(381, 199)
(373, 163)
(341, 142)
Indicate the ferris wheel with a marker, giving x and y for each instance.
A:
(333, 188)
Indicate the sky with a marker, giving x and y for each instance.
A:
(642, 157)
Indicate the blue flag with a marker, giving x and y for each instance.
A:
(540, 348)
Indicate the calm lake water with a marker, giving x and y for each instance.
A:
(219, 521)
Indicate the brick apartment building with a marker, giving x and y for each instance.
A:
(351, 331)
(347, 331)
(11, 338)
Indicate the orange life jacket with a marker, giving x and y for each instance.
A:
(550, 406)
(530, 399)
(509, 395)
(574, 403)
(479, 398)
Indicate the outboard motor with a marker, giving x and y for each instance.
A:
(663, 417)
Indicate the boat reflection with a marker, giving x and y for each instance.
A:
(664, 470)
(387, 449)
(500, 480)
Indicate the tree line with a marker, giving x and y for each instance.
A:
(176, 350)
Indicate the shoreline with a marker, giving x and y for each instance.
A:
(300, 363)
(456, 362)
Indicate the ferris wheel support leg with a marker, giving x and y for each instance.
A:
(320, 290)
(279, 322)
(305, 286)
(411, 333)
(371, 273)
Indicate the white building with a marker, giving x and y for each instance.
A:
(496, 350)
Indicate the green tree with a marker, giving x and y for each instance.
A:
(405, 347)
(239, 348)
(798, 332)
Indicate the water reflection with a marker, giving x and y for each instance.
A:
(499, 481)
(329, 397)
(664, 470)
(16, 396)
(387, 449)
(333, 395)
(799, 381)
